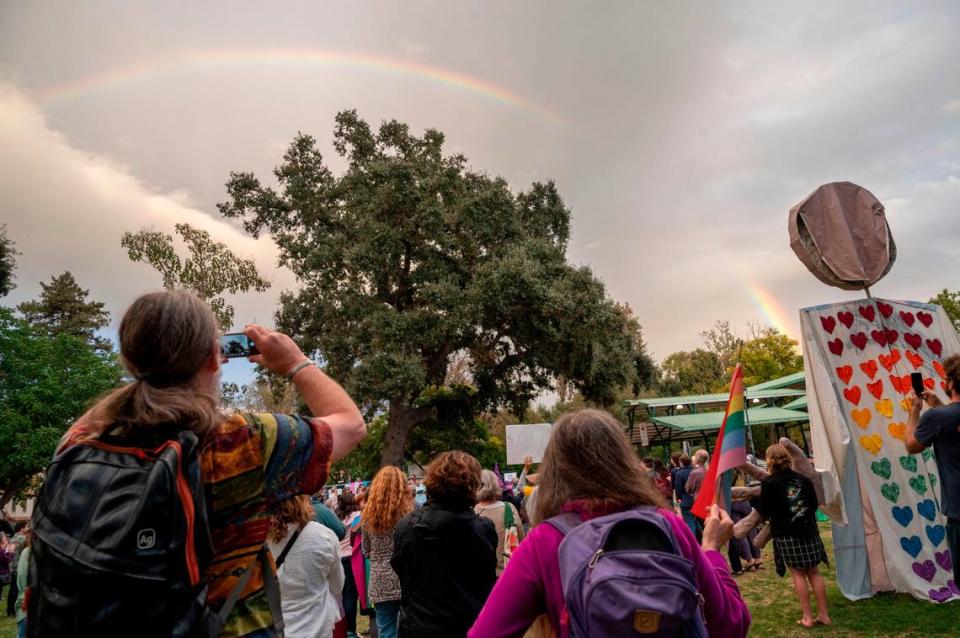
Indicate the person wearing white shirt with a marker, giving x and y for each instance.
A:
(309, 570)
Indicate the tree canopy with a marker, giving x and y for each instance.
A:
(950, 301)
(8, 262)
(210, 270)
(46, 383)
(410, 261)
(63, 308)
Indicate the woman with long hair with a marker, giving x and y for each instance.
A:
(248, 463)
(789, 500)
(502, 514)
(349, 514)
(445, 553)
(388, 500)
(589, 470)
(310, 573)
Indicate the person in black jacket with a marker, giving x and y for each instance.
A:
(444, 554)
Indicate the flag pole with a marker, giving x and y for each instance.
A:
(746, 407)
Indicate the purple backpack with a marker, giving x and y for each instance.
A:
(623, 575)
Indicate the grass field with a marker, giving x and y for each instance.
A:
(775, 609)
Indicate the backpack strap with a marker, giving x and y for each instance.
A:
(288, 546)
(563, 523)
(271, 588)
(507, 516)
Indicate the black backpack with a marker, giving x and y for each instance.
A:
(120, 542)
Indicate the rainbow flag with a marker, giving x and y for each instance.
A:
(729, 453)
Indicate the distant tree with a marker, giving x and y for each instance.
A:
(723, 341)
(950, 301)
(768, 356)
(63, 308)
(8, 261)
(695, 372)
(410, 263)
(209, 271)
(46, 383)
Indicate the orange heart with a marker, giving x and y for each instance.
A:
(861, 417)
(898, 430)
(872, 443)
(897, 384)
(845, 373)
(890, 360)
(905, 404)
(939, 368)
(915, 359)
(869, 368)
(928, 383)
(885, 408)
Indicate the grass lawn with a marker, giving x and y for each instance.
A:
(8, 626)
(775, 608)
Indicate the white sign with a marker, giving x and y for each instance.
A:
(528, 439)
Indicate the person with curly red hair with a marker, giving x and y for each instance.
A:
(445, 554)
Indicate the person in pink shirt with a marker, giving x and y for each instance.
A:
(589, 468)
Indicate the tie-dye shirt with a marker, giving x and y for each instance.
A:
(249, 463)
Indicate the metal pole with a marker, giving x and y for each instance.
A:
(746, 418)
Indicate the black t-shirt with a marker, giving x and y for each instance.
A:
(939, 427)
(790, 502)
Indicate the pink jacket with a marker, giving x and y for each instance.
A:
(531, 586)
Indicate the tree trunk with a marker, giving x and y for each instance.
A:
(400, 421)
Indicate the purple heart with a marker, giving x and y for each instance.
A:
(943, 559)
(941, 595)
(953, 587)
(925, 570)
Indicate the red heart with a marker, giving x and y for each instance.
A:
(915, 359)
(879, 337)
(846, 318)
(906, 383)
(869, 368)
(876, 388)
(885, 309)
(925, 318)
(929, 383)
(907, 317)
(891, 335)
(935, 346)
(913, 340)
(836, 347)
(859, 339)
(852, 394)
(895, 382)
(845, 373)
(890, 360)
(867, 312)
(828, 323)
(939, 368)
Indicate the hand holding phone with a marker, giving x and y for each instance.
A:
(236, 344)
(916, 380)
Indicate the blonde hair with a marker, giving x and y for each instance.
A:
(778, 459)
(489, 487)
(165, 339)
(388, 500)
(293, 511)
(589, 457)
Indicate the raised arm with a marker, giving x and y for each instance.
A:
(324, 396)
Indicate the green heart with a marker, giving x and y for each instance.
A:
(919, 484)
(890, 491)
(927, 454)
(933, 481)
(881, 468)
(909, 463)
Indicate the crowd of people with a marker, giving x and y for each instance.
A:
(461, 553)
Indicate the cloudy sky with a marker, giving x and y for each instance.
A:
(679, 133)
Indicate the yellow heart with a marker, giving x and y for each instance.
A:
(905, 404)
(885, 407)
(897, 430)
(861, 417)
(872, 443)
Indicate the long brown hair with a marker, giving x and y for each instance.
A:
(777, 458)
(165, 339)
(388, 500)
(297, 511)
(589, 457)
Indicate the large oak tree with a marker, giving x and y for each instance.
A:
(409, 261)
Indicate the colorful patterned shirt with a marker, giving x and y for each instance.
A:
(249, 463)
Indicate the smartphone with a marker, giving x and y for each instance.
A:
(237, 344)
(916, 379)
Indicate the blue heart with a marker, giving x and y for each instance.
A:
(912, 545)
(936, 534)
(927, 509)
(903, 515)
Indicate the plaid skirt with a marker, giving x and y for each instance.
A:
(798, 553)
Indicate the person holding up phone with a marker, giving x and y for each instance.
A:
(940, 427)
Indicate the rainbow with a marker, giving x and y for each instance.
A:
(221, 59)
(773, 311)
